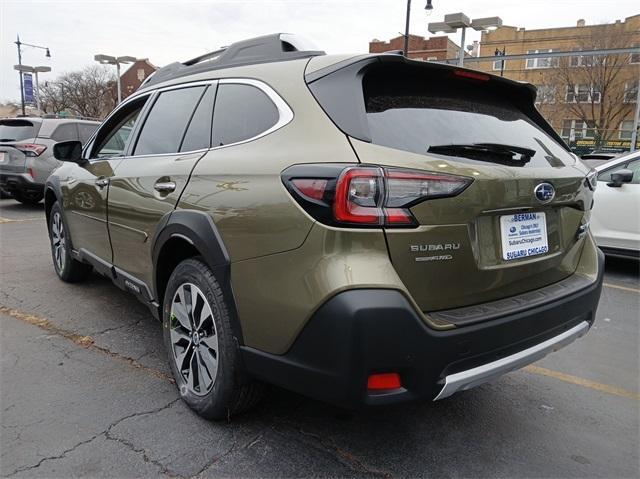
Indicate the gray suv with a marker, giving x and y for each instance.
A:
(26, 152)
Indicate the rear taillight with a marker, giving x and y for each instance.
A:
(368, 196)
(31, 149)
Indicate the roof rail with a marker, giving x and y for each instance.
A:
(269, 48)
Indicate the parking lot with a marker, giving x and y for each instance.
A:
(86, 391)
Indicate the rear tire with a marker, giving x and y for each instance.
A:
(67, 268)
(202, 350)
(28, 197)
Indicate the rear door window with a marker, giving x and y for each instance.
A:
(18, 130)
(241, 112)
(165, 126)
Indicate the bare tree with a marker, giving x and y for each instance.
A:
(593, 87)
(51, 98)
(87, 92)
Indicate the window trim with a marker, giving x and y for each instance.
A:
(285, 114)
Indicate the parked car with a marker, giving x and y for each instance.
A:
(615, 218)
(365, 230)
(26, 152)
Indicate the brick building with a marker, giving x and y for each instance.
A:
(420, 48)
(133, 77)
(572, 94)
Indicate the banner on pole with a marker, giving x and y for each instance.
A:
(27, 79)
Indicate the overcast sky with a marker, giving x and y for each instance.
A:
(167, 31)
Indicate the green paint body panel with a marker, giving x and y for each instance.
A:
(284, 264)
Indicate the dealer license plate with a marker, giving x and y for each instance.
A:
(523, 235)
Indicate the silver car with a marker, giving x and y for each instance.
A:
(26, 152)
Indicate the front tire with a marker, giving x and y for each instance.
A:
(67, 268)
(202, 350)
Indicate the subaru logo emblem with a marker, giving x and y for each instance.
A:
(544, 192)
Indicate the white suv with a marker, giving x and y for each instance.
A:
(615, 218)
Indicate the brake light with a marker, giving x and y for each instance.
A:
(471, 75)
(31, 149)
(358, 193)
(368, 196)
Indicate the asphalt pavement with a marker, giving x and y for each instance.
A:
(85, 391)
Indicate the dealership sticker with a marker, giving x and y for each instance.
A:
(523, 235)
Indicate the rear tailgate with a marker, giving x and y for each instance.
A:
(12, 132)
(495, 239)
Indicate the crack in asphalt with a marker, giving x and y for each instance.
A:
(106, 434)
(86, 342)
(343, 456)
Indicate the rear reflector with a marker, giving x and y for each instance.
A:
(311, 188)
(385, 381)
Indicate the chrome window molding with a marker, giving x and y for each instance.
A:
(285, 114)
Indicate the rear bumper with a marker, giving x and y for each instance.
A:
(361, 332)
(19, 182)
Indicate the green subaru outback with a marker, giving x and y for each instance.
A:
(364, 230)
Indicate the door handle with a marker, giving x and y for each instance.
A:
(102, 182)
(165, 186)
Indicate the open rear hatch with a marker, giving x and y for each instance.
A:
(516, 227)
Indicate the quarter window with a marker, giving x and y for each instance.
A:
(65, 132)
(85, 130)
(166, 123)
(241, 112)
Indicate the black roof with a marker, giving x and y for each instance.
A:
(269, 48)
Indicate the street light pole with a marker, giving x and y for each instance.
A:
(406, 30)
(461, 55)
(19, 44)
(454, 21)
(20, 73)
(109, 60)
(118, 81)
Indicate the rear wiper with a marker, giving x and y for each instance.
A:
(509, 155)
(7, 139)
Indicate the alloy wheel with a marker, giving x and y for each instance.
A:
(194, 339)
(58, 241)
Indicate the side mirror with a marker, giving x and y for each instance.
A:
(619, 177)
(68, 151)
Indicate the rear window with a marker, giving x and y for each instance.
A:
(18, 130)
(421, 113)
(432, 109)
